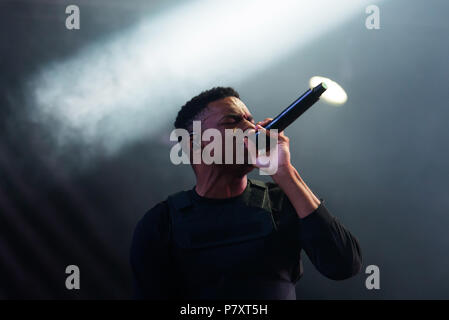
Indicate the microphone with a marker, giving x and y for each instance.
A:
(295, 109)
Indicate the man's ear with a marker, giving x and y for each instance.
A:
(195, 154)
(194, 145)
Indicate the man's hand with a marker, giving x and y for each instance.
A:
(277, 157)
(280, 154)
(285, 175)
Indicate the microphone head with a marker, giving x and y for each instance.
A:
(319, 89)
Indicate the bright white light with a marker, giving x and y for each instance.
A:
(334, 94)
(118, 90)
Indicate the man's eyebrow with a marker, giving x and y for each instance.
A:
(237, 115)
(231, 115)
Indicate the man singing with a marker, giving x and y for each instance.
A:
(230, 237)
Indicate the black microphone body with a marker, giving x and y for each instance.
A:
(296, 108)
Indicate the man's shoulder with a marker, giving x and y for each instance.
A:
(161, 209)
(158, 208)
(157, 213)
(152, 227)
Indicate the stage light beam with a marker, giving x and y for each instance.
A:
(108, 94)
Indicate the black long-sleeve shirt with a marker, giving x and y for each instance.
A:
(265, 267)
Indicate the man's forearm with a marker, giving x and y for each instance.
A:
(301, 197)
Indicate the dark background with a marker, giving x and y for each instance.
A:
(380, 161)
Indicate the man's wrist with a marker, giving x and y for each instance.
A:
(284, 173)
(302, 198)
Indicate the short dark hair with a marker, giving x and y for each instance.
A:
(198, 103)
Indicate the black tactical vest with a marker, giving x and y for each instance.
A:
(243, 248)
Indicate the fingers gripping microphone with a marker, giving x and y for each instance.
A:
(296, 108)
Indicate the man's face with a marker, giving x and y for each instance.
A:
(228, 113)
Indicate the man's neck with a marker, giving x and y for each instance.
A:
(220, 184)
